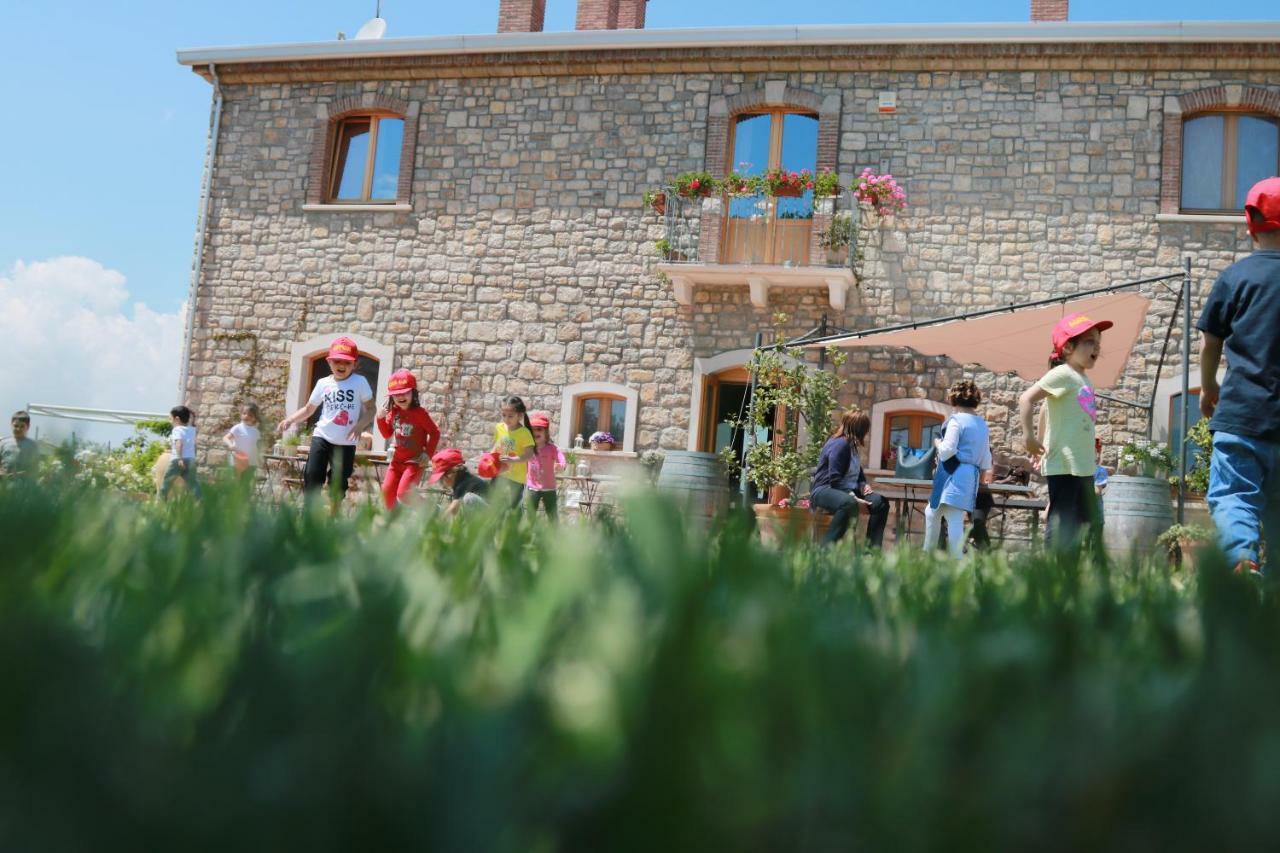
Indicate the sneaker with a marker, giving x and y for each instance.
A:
(1248, 567)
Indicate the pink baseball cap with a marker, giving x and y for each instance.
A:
(343, 349)
(1262, 206)
(1072, 326)
(539, 420)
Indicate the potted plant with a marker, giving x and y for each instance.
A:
(694, 184)
(793, 393)
(1182, 541)
(826, 184)
(651, 461)
(840, 234)
(656, 200)
(736, 184)
(879, 194)
(664, 247)
(1145, 460)
(785, 183)
(602, 440)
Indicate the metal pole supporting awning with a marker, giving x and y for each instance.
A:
(102, 416)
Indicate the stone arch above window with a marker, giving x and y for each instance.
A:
(331, 118)
(774, 94)
(1227, 99)
(609, 394)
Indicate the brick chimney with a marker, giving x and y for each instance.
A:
(1049, 10)
(521, 16)
(611, 14)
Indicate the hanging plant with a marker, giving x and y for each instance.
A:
(881, 192)
(656, 200)
(694, 184)
(786, 183)
(736, 184)
(826, 184)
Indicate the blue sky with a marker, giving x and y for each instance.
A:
(107, 162)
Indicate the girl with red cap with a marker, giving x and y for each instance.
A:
(546, 462)
(1071, 411)
(413, 435)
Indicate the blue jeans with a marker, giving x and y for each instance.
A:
(1244, 494)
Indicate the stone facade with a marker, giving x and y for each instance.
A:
(525, 262)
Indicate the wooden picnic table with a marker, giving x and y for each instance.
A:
(910, 495)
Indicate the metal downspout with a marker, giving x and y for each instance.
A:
(202, 227)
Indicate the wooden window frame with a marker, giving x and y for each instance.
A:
(777, 117)
(333, 173)
(915, 428)
(606, 413)
(1229, 165)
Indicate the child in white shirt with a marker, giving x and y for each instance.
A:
(242, 441)
(182, 441)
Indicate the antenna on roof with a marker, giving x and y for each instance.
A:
(375, 27)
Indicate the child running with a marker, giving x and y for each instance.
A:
(513, 442)
(242, 441)
(1068, 445)
(413, 434)
(1242, 314)
(182, 442)
(346, 407)
(546, 462)
(963, 452)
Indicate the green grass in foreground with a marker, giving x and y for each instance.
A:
(230, 677)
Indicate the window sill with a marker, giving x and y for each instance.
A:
(586, 451)
(357, 208)
(1236, 220)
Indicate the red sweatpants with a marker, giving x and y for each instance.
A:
(401, 478)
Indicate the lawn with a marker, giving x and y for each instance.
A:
(237, 677)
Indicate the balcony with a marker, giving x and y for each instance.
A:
(764, 243)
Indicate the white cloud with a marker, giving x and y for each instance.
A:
(72, 337)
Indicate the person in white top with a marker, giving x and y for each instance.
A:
(182, 442)
(346, 408)
(242, 441)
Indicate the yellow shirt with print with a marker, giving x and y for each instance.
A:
(513, 443)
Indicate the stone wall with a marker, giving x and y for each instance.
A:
(526, 261)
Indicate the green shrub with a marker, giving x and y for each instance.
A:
(221, 676)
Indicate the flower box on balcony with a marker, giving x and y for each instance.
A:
(781, 183)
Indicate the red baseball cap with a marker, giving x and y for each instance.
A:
(444, 462)
(1073, 326)
(401, 382)
(343, 349)
(539, 420)
(1262, 206)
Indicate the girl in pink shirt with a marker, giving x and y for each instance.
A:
(546, 462)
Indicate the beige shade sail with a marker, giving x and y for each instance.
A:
(1020, 341)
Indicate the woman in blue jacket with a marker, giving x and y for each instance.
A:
(840, 485)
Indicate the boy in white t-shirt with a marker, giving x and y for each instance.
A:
(346, 408)
(242, 441)
(182, 442)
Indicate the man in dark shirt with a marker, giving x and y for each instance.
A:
(465, 487)
(1242, 315)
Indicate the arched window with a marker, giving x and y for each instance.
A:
(590, 407)
(1223, 155)
(910, 421)
(366, 159)
(762, 229)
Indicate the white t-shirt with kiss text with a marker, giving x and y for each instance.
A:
(340, 404)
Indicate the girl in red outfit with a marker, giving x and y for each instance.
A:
(414, 436)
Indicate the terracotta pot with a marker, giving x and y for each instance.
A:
(659, 203)
(777, 494)
(602, 445)
(783, 525)
(788, 192)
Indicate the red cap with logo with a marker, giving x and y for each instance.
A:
(343, 349)
(443, 462)
(1262, 206)
(1073, 326)
(539, 420)
(401, 382)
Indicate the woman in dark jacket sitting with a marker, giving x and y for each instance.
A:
(840, 484)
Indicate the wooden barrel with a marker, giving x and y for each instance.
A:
(696, 481)
(1135, 510)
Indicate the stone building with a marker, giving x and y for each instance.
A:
(471, 207)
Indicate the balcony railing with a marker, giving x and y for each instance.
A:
(764, 230)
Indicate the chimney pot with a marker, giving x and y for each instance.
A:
(1049, 10)
(521, 16)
